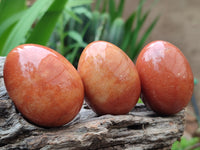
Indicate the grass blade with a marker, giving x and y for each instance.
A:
(75, 3)
(116, 32)
(126, 41)
(10, 21)
(136, 30)
(75, 36)
(140, 21)
(101, 26)
(143, 19)
(9, 7)
(112, 10)
(47, 23)
(73, 15)
(74, 54)
(105, 2)
(130, 21)
(107, 27)
(4, 37)
(10, 13)
(134, 37)
(128, 34)
(18, 33)
(83, 11)
(139, 10)
(120, 8)
(146, 35)
(92, 29)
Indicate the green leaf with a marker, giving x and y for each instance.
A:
(85, 29)
(76, 36)
(75, 3)
(105, 2)
(120, 8)
(140, 21)
(10, 7)
(135, 33)
(116, 32)
(134, 36)
(18, 33)
(126, 42)
(73, 15)
(72, 56)
(106, 27)
(4, 37)
(140, 101)
(128, 34)
(139, 10)
(47, 23)
(10, 21)
(143, 19)
(112, 10)
(146, 35)
(83, 10)
(10, 12)
(185, 144)
(92, 29)
(101, 26)
(129, 22)
(70, 48)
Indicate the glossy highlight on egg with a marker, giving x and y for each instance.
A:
(166, 77)
(110, 78)
(43, 85)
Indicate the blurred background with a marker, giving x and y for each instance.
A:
(179, 23)
(69, 25)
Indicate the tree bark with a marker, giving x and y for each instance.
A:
(141, 129)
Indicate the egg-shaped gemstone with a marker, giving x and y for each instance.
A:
(43, 85)
(166, 77)
(110, 78)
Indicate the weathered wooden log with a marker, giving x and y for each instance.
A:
(140, 129)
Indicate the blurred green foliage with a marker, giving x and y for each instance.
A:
(104, 22)
(20, 24)
(184, 144)
(69, 25)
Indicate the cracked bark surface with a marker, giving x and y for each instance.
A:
(139, 130)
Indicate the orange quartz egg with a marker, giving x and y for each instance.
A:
(43, 85)
(166, 77)
(110, 78)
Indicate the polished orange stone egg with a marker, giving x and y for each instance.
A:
(166, 77)
(43, 85)
(110, 78)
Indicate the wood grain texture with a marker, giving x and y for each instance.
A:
(141, 129)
